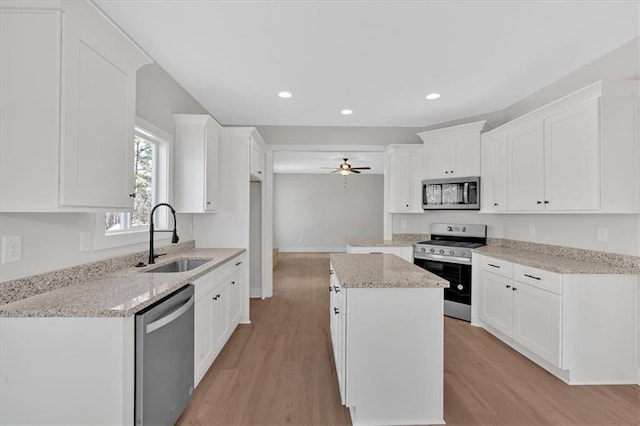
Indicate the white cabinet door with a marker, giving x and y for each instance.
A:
(211, 171)
(258, 160)
(435, 158)
(572, 152)
(203, 338)
(494, 174)
(196, 163)
(464, 154)
(496, 304)
(235, 298)
(526, 168)
(220, 319)
(337, 321)
(537, 321)
(403, 189)
(98, 106)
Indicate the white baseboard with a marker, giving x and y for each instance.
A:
(312, 249)
(255, 293)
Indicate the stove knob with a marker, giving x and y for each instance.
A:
(432, 250)
(441, 251)
(452, 252)
(460, 286)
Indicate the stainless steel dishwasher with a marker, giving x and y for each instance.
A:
(164, 359)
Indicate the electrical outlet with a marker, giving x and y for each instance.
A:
(11, 249)
(403, 224)
(603, 234)
(532, 230)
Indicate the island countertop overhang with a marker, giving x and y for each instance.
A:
(378, 270)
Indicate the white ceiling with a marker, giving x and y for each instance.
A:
(378, 58)
(325, 162)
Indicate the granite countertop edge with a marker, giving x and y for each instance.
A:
(552, 263)
(159, 284)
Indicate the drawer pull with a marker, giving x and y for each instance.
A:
(531, 276)
(336, 289)
(238, 263)
(508, 286)
(493, 266)
(514, 288)
(336, 311)
(330, 271)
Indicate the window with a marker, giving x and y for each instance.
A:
(151, 147)
(145, 165)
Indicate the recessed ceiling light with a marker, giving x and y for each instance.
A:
(285, 95)
(346, 112)
(432, 96)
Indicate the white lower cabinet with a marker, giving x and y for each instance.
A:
(218, 308)
(404, 252)
(582, 328)
(388, 352)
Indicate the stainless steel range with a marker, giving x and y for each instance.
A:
(448, 255)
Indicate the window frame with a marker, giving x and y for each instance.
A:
(162, 178)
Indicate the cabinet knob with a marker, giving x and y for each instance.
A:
(208, 203)
(330, 289)
(446, 172)
(132, 195)
(233, 282)
(330, 271)
(546, 202)
(238, 263)
(495, 204)
(508, 286)
(336, 311)
(514, 288)
(538, 202)
(336, 289)
(406, 205)
(259, 172)
(451, 171)
(215, 297)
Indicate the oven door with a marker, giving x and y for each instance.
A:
(457, 298)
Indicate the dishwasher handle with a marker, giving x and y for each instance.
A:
(167, 319)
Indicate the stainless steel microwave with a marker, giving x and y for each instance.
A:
(462, 193)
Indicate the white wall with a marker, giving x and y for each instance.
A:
(314, 212)
(51, 241)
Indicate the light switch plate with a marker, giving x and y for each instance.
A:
(11, 249)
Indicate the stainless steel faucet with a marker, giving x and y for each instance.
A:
(174, 237)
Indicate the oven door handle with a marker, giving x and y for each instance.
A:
(465, 193)
(445, 259)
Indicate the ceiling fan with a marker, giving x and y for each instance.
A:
(346, 168)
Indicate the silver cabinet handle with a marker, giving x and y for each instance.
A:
(167, 319)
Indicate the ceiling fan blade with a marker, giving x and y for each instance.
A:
(361, 168)
(355, 171)
(335, 171)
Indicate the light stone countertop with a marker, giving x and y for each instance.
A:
(552, 262)
(382, 271)
(118, 294)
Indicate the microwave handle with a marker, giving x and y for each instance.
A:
(465, 193)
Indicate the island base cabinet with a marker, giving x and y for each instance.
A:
(388, 349)
(71, 371)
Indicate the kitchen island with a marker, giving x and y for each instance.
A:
(386, 320)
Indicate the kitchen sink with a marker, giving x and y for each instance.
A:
(180, 265)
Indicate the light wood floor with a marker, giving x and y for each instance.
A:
(278, 370)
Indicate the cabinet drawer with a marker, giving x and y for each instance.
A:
(543, 280)
(497, 266)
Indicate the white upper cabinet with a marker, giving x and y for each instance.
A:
(451, 152)
(196, 163)
(404, 184)
(258, 159)
(577, 154)
(68, 108)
